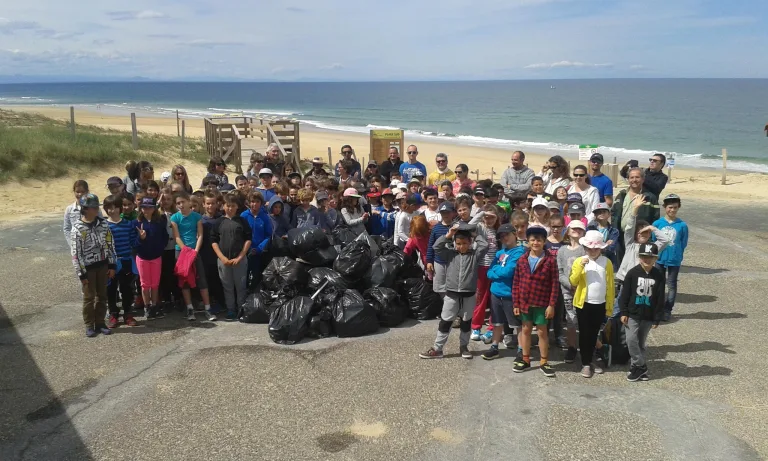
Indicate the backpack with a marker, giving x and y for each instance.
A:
(615, 341)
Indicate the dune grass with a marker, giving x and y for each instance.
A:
(34, 146)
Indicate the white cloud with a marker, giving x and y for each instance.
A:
(334, 66)
(135, 15)
(203, 43)
(637, 67)
(8, 26)
(567, 64)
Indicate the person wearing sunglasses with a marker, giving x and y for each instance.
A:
(517, 178)
(216, 170)
(348, 155)
(462, 179)
(412, 167)
(655, 179)
(442, 173)
(602, 182)
(590, 197)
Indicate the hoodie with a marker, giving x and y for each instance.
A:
(307, 218)
(154, 243)
(261, 229)
(383, 223)
(266, 193)
(502, 271)
(280, 223)
(677, 236)
(461, 269)
(92, 246)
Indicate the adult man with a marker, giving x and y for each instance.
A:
(517, 178)
(347, 152)
(392, 164)
(624, 203)
(602, 182)
(655, 179)
(317, 172)
(412, 167)
(442, 173)
(371, 171)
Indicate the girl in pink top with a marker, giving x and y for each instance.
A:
(418, 239)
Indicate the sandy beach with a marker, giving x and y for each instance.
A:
(31, 198)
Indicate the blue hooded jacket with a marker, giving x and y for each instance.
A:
(677, 233)
(261, 228)
(384, 223)
(502, 271)
(280, 224)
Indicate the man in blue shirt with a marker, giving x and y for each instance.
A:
(412, 167)
(602, 182)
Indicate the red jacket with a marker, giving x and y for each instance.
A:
(185, 267)
(540, 288)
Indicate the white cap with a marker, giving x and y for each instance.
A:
(540, 201)
(165, 176)
(265, 171)
(402, 185)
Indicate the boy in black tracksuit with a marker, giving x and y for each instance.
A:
(642, 307)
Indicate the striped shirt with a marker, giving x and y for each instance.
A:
(124, 236)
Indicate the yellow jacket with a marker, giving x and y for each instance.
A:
(578, 279)
(435, 178)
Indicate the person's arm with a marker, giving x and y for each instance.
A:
(199, 242)
(563, 272)
(267, 231)
(441, 248)
(349, 219)
(577, 270)
(554, 289)
(478, 218)
(517, 280)
(480, 244)
(430, 250)
(684, 236)
(66, 226)
(526, 179)
(76, 248)
(176, 235)
(628, 286)
(215, 239)
(608, 193)
(591, 202)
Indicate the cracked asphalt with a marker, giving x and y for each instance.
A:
(174, 389)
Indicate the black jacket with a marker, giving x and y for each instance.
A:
(655, 182)
(642, 296)
(386, 168)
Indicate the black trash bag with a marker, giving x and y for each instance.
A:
(390, 308)
(364, 237)
(257, 308)
(318, 275)
(353, 261)
(306, 239)
(352, 316)
(378, 239)
(289, 323)
(343, 236)
(423, 302)
(322, 257)
(387, 246)
(383, 273)
(279, 247)
(284, 271)
(320, 325)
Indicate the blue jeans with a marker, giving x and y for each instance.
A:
(671, 273)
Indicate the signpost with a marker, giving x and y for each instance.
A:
(382, 140)
(586, 151)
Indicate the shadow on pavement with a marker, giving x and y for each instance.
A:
(688, 298)
(701, 270)
(660, 369)
(26, 400)
(663, 350)
(701, 315)
(168, 323)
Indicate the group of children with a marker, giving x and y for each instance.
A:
(530, 260)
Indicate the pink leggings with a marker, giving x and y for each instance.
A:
(483, 297)
(149, 272)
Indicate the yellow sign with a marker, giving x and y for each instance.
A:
(386, 134)
(383, 140)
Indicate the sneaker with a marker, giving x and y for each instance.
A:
(492, 353)
(570, 355)
(521, 366)
(586, 371)
(159, 312)
(635, 374)
(519, 356)
(149, 312)
(190, 314)
(104, 330)
(112, 321)
(130, 321)
(431, 353)
(210, 316)
(465, 354)
(215, 309)
(547, 369)
(487, 337)
(510, 341)
(645, 376)
(476, 335)
(90, 332)
(231, 315)
(599, 366)
(667, 316)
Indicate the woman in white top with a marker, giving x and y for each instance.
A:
(590, 196)
(557, 175)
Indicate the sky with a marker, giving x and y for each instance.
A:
(395, 40)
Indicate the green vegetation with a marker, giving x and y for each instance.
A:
(33, 146)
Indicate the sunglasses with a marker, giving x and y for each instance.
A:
(178, 174)
(654, 160)
(413, 153)
(442, 161)
(598, 162)
(345, 152)
(578, 175)
(459, 172)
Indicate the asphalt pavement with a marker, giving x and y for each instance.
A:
(174, 389)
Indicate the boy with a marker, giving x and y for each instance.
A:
(115, 186)
(129, 212)
(610, 234)
(261, 232)
(479, 200)
(519, 221)
(124, 240)
(537, 187)
(535, 286)
(642, 305)
(384, 223)
(500, 274)
(671, 258)
(211, 218)
(187, 228)
(266, 188)
(241, 182)
(403, 221)
(231, 240)
(430, 211)
(576, 213)
(462, 257)
(555, 239)
(435, 264)
(566, 256)
(330, 214)
(306, 215)
(280, 224)
(93, 255)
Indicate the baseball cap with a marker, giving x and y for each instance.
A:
(360, 188)
(577, 224)
(414, 180)
(295, 174)
(536, 230)
(372, 162)
(116, 181)
(596, 157)
(165, 176)
(402, 185)
(393, 184)
(264, 171)
(601, 206)
(89, 201)
(318, 161)
(446, 206)
(553, 205)
(148, 202)
(321, 195)
(374, 194)
(479, 190)
(540, 201)
(576, 208)
(387, 191)
(574, 197)
(351, 192)
(668, 198)
(648, 249)
(227, 187)
(400, 196)
(505, 229)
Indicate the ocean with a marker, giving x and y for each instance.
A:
(690, 119)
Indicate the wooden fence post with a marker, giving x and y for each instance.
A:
(134, 133)
(330, 159)
(725, 161)
(492, 172)
(178, 133)
(182, 138)
(72, 120)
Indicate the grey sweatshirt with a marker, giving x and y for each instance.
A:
(461, 269)
(631, 247)
(565, 259)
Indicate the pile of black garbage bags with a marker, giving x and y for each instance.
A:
(341, 284)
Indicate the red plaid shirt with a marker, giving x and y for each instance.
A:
(539, 288)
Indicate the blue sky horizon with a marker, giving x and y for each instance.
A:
(352, 41)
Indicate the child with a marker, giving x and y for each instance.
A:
(352, 213)
(385, 215)
(670, 260)
(403, 223)
(501, 274)
(306, 215)
(602, 223)
(540, 214)
(431, 209)
(554, 208)
(566, 256)
(153, 190)
(592, 275)
(261, 231)
(211, 218)
(72, 213)
(535, 286)
(152, 233)
(479, 198)
(124, 238)
(187, 228)
(555, 239)
(642, 305)
(576, 213)
(418, 239)
(169, 289)
(435, 264)
(115, 185)
(464, 210)
(280, 224)
(487, 222)
(231, 240)
(93, 255)
(329, 214)
(267, 188)
(519, 221)
(241, 183)
(462, 257)
(129, 207)
(537, 187)
(560, 195)
(294, 179)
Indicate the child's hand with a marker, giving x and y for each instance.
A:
(609, 243)
(366, 215)
(236, 261)
(516, 311)
(376, 212)
(549, 314)
(584, 261)
(647, 228)
(430, 268)
(225, 261)
(111, 273)
(624, 319)
(142, 232)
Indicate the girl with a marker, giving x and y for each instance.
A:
(540, 214)
(179, 175)
(418, 239)
(487, 222)
(560, 195)
(592, 275)
(153, 190)
(557, 175)
(464, 209)
(566, 256)
(555, 239)
(168, 288)
(352, 213)
(216, 169)
(590, 196)
(152, 238)
(72, 213)
(447, 189)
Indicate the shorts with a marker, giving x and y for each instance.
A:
(200, 280)
(438, 282)
(570, 313)
(502, 312)
(535, 315)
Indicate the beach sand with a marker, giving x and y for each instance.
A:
(31, 198)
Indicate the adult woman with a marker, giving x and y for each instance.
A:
(179, 175)
(257, 163)
(138, 176)
(462, 178)
(216, 169)
(557, 175)
(590, 196)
